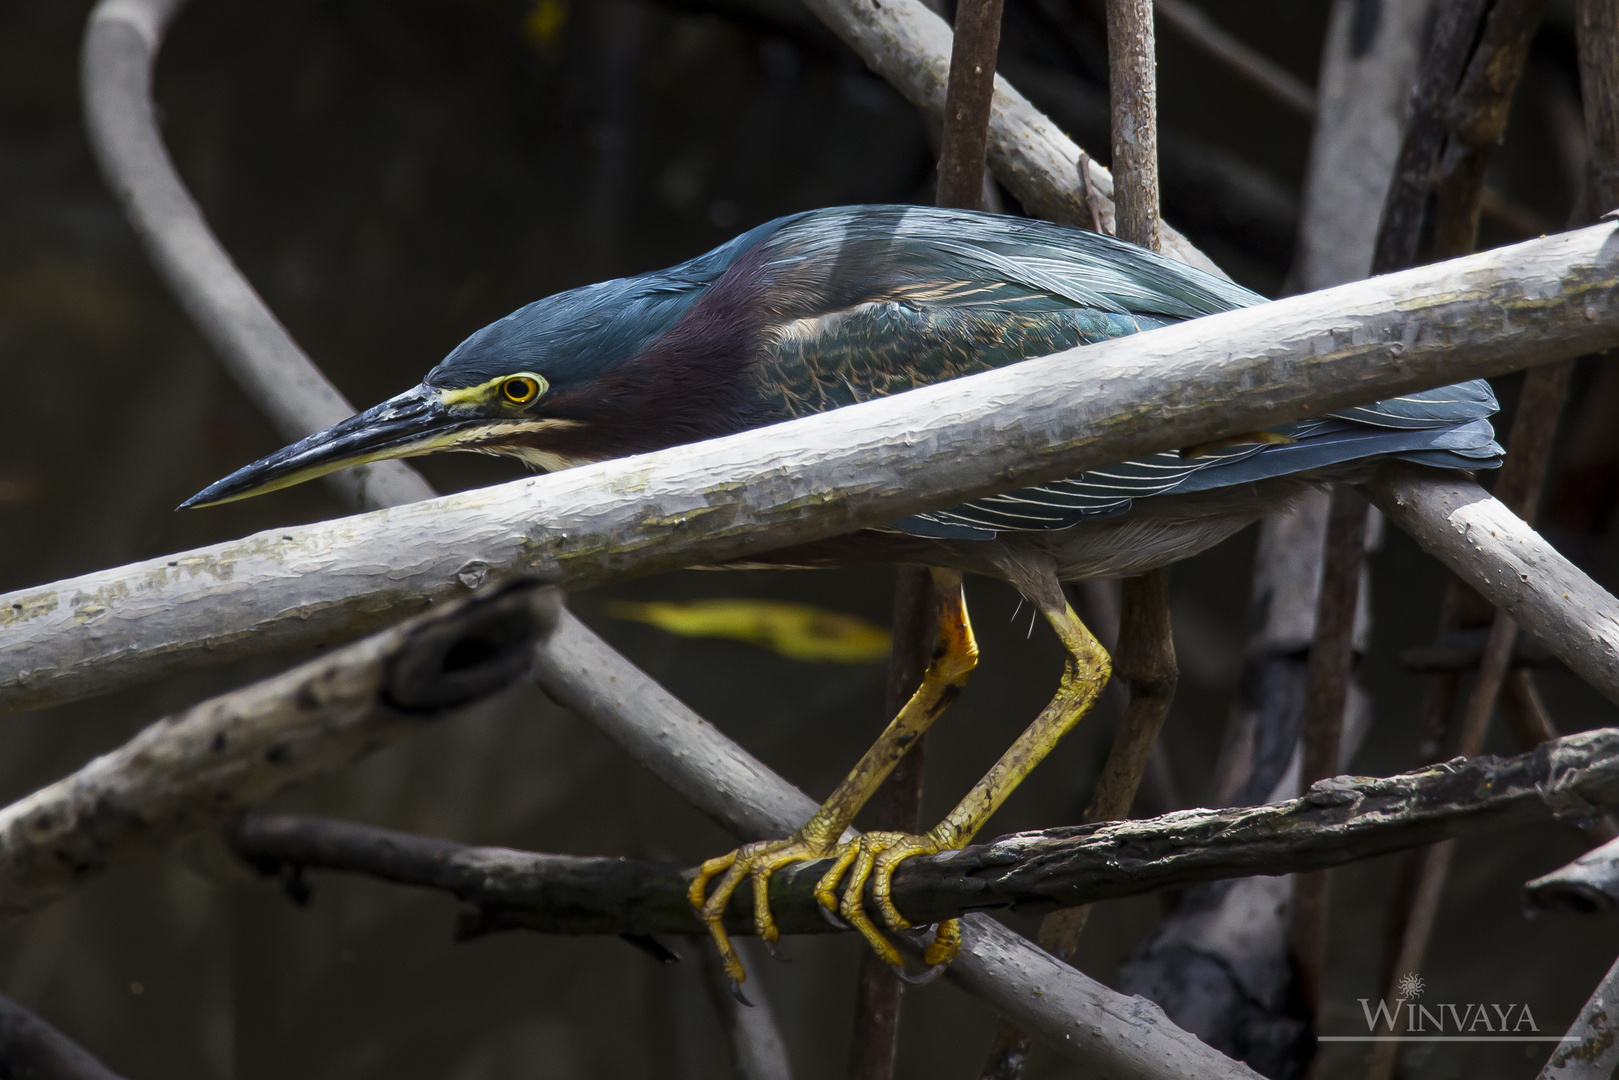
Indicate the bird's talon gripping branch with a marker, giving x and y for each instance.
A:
(826, 913)
(921, 978)
(756, 862)
(736, 992)
(873, 857)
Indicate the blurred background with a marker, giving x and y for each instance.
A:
(393, 175)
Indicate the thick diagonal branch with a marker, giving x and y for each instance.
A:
(859, 466)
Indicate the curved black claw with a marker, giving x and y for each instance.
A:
(776, 953)
(831, 918)
(922, 978)
(736, 992)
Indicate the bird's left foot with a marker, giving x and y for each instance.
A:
(756, 861)
(874, 857)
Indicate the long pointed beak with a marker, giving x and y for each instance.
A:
(415, 422)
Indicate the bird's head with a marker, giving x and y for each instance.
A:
(555, 383)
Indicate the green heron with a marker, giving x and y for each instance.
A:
(829, 307)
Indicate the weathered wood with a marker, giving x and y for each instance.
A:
(1511, 565)
(1337, 821)
(190, 770)
(969, 101)
(1533, 303)
(1132, 71)
(909, 45)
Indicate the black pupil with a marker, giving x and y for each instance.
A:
(520, 389)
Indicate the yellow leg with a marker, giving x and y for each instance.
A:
(876, 855)
(954, 657)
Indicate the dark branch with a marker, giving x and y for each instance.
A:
(1452, 44)
(1338, 821)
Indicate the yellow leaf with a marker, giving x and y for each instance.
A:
(543, 24)
(796, 631)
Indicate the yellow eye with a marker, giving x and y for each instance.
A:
(520, 389)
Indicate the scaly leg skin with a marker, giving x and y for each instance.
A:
(953, 659)
(875, 855)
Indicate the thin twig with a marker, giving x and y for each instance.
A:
(907, 44)
(1091, 201)
(1341, 820)
(1451, 44)
(1461, 650)
(969, 98)
(188, 771)
(1133, 105)
(1477, 120)
(1326, 695)
(1238, 56)
(1597, 31)
(968, 103)
(897, 806)
(1132, 64)
(31, 1049)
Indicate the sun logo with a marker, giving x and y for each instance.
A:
(1410, 986)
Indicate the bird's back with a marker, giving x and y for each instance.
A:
(866, 301)
(830, 307)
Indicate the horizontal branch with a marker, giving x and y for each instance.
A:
(197, 767)
(1342, 820)
(1055, 416)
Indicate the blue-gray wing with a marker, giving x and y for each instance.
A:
(1445, 428)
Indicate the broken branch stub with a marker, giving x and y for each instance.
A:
(195, 768)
